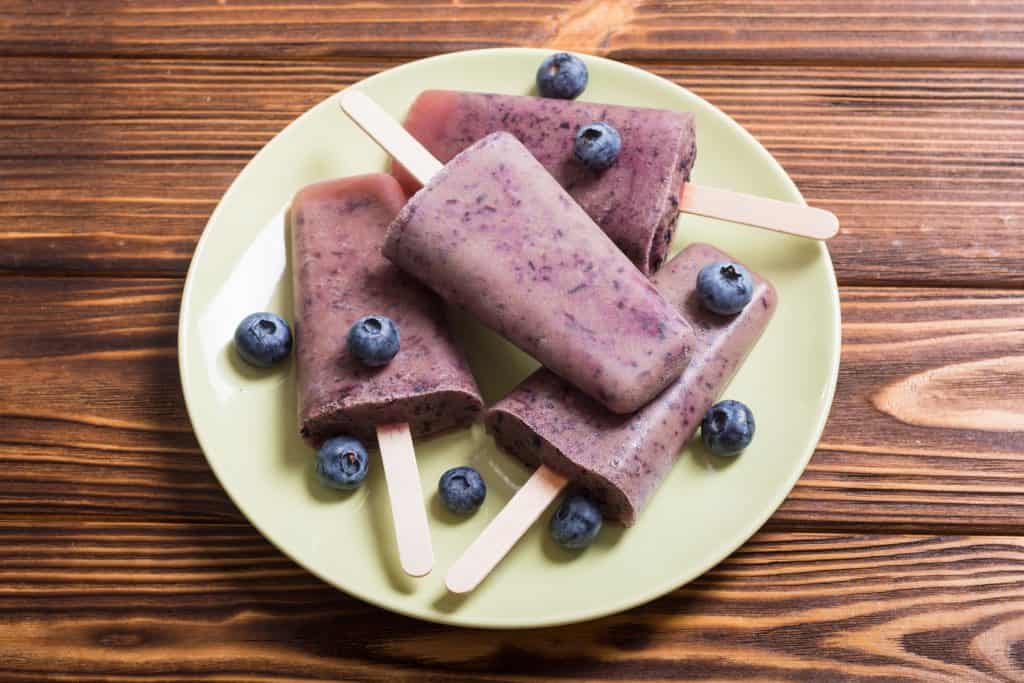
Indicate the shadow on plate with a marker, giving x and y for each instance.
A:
(608, 537)
(386, 547)
(441, 513)
(707, 460)
(450, 602)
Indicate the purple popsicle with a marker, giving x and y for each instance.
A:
(493, 233)
(621, 459)
(338, 227)
(636, 201)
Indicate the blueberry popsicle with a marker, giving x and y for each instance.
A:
(621, 460)
(493, 233)
(340, 276)
(338, 227)
(636, 201)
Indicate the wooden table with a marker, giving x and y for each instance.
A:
(899, 555)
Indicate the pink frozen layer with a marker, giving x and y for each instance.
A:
(636, 201)
(620, 460)
(494, 234)
(337, 229)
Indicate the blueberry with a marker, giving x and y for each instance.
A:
(342, 462)
(724, 287)
(263, 339)
(374, 340)
(462, 490)
(576, 523)
(562, 76)
(727, 428)
(597, 145)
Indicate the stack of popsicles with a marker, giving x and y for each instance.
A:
(553, 257)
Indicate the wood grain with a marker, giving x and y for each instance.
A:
(178, 602)
(94, 423)
(897, 436)
(726, 30)
(121, 171)
(91, 406)
(115, 167)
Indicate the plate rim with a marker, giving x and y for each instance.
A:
(651, 592)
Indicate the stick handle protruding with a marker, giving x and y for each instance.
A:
(759, 212)
(390, 135)
(408, 510)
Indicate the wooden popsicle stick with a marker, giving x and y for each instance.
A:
(505, 530)
(759, 212)
(408, 510)
(390, 135)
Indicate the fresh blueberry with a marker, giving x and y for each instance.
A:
(724, 287)
(562, 76)
(597, 145)
(727, 428)
(462, 490)
(342, 462)
(263, 339)
(374, 340)
(576, 523)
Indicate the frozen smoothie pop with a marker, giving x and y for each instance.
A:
(493, 233)
(619, 460)
(340, 276)
(635, 201)
(638, 199)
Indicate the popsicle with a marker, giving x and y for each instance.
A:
(638, 199)
(494, 234)
(339, 275)
(619, 460)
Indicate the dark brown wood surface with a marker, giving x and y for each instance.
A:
(981, 31)
(182, 602)
(898, 556)
(922, 165)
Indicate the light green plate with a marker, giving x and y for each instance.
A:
(245, 420)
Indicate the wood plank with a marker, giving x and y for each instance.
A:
(94, 420)
(928, 415)
(177, 602)
(116, 166)
(121, 171)
(925, 432)
(754, 30)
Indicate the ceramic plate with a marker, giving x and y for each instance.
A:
(246, 423)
